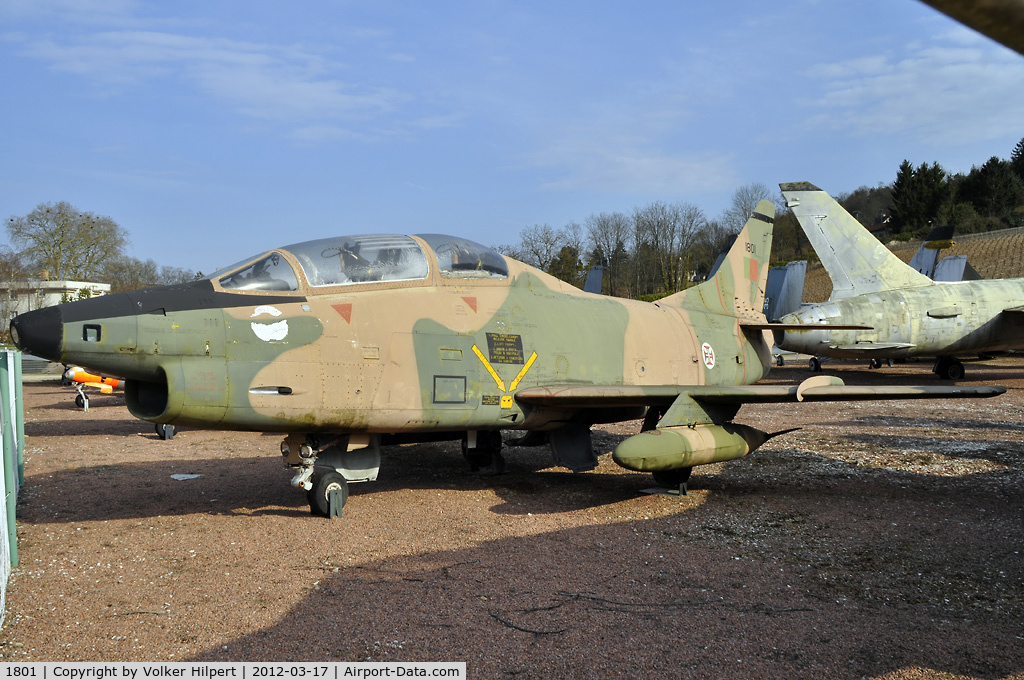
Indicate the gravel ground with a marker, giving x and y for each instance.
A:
(882, 540)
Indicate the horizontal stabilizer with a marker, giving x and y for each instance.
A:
(792, 327)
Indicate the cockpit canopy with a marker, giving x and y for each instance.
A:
(365, 258)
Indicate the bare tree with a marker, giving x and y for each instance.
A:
(609, 233)
(668, 230)
(69, 244)
(744, 200)
(131, 273)
(571, 235)
(539, 245)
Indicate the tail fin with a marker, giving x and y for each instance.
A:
(855, 260)
(738, 285)
(785, 289)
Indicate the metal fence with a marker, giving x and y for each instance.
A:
(12, 432)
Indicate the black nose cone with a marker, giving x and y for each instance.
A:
(40, 333)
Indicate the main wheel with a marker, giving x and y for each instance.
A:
(320, 495)
(486, 453)
(164, 431)
(954, 370)
(671, 479)
(814, 365)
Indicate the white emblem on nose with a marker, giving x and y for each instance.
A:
(265, 309)
(270, 331)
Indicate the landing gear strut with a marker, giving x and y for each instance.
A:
(327, 464)
(483, 451)
(673, 479)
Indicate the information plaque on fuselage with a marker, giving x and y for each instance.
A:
(504, 348)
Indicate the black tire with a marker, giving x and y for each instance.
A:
(80, 401)
(671, 479)
(814, 365)
(487, 451)
(164, 431)
(954, 370)
(320, 495)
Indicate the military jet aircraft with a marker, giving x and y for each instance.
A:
(909, 314)
(352, 342)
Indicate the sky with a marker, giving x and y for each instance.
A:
(212, 131)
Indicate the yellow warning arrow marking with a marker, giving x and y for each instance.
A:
(490, 369)
(522, 373)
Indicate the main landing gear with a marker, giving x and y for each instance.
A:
(327, 463)
(949, 368)
(482, 448)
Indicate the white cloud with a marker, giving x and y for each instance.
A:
(81, 11)
(270, 82)
(959, 89)
(626, 166)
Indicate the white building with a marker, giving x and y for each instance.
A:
(28, 294)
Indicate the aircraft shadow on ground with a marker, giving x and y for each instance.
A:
(948, 424)
(770, 575)
(260, 485)
(996, 451)
(743, 585)
(63, 427)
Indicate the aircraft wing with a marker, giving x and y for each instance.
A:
(1014, 310)
(104, 388)
(818, 388)
(869, 348)
(695, 425)
(776, 326)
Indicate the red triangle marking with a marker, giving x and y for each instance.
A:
(471, 301)
(345, 310)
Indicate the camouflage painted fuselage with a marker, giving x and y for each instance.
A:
(935, 320)
(438, 353)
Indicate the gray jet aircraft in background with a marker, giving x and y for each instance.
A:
(909, 314)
